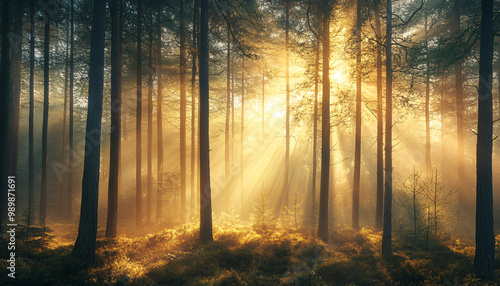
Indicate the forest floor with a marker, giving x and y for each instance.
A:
(242, 255)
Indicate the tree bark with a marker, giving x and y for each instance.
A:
(315, 133)
(31, 164)
(69, 201)
(380, 122)
(17, 53)
(138, 130)
(485, 236)
(45, 120)
(242, 166)
(150, 127)
(460, 111)
(5, 101)
(87, 231)
(325, 140)
(193, 109)
(159, 122)
(428, 162)
(387, 229)
(63, 186)
(115, 137)
(183, 110)
(228, 111)
(205, 190)
(357, 144)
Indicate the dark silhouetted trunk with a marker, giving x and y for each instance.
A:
(428, 162)
(242, 166)
(315, 133)
(205, 190)
(263, 100)
(193, 108)
(228, 109)
(69, 200)
(16, 42)
(380, 123)
(287, 136)
(87, 231)
(387, 229)
(150, 127)
(63, 186)
(325, 132)
(460, 111)
(485, 235)
(138, 126)
(45, 122)
(5, 101)
(183, 110)
(357, 145)
(159, 123)
(115, 137)
(31, 163)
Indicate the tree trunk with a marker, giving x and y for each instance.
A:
(45, 122)
(63, 186)
(69, 201)
(325, 140)
(31, 164)
(387, 229)
(193, 109)
(205, 191)
(150, 127)
(183, 110)
(228, 111)
(460, 112)
(242, 166)
(159, 122)
(287, 149)
(138, 139)
(485, 236)
(263, 100)
(428, 162)
(315, 133)
(17, 53)
(115, 137)
(380, 123)
(357, 148)
(87, 231)
(5, 101)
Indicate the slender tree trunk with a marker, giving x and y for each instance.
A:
(460, 111)
(242, 132)
(45, 122)
(325, 139)
(387, 230)
(69, 201)
(380, 123)
(159, 122)
(138, 139)
(357, 151)
(485, 235)
(263, 100)
(5, 101)
(17, 53)
(115, 137)
(205, 191)
(87, 231)
(315, 133)
(228, 111)
(183, 110)
(193, 109)
(63, 186)
(31, 164)
(150, 128)
(428, 162)
(287, 150)
(443, 152)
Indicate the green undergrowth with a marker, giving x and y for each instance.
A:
(242, 255)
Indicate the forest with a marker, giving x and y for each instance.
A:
(249, 142)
